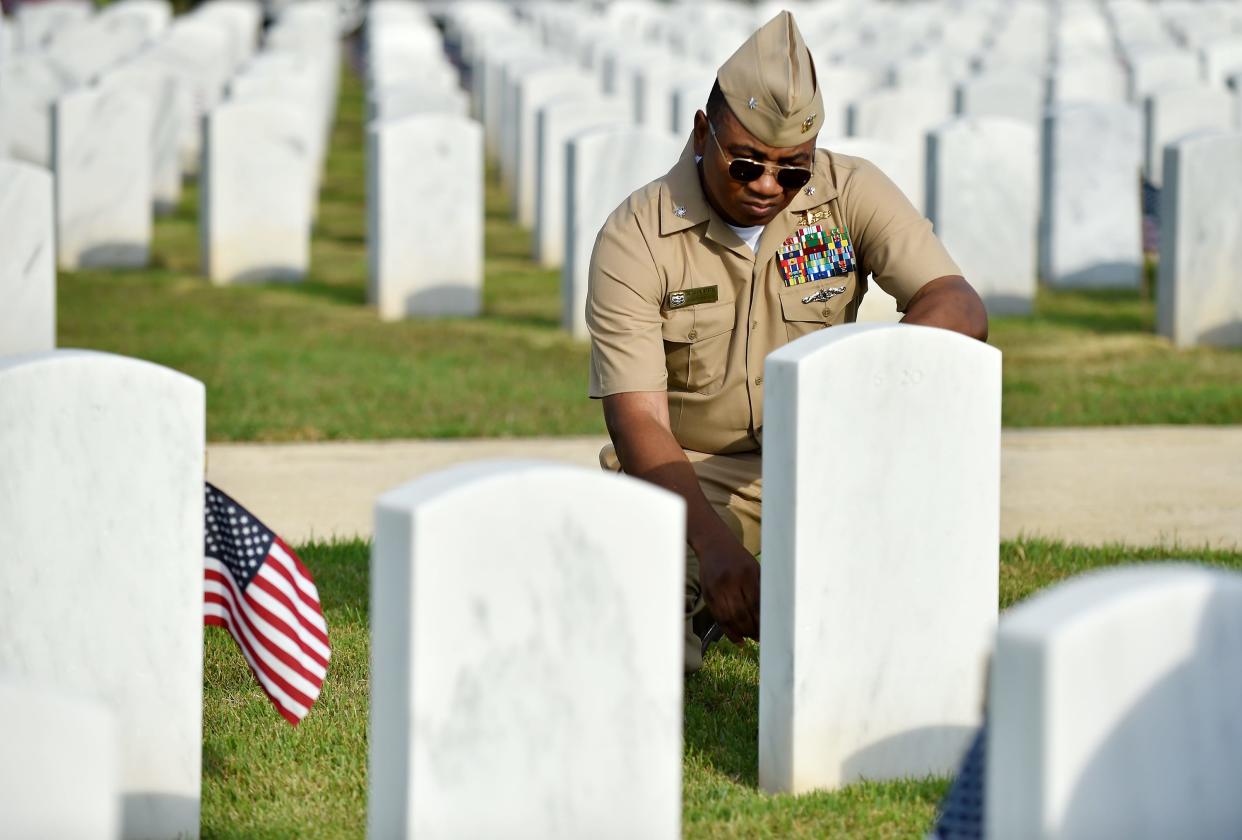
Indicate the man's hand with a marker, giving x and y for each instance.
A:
(729, 575)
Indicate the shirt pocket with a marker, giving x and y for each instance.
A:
(696, 346)
(805, 318)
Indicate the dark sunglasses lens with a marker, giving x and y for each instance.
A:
(744, 170)
(793, 179)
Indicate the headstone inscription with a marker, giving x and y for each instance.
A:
(605, 165)
(503, 661)
(258, 171)
(101, 589)
(101, 142)
(425, 216)
(988, 228)
(1113, 708)
(61, 771)
(1090, 221)
(910, 565)
(1198, 296)
(27, 260)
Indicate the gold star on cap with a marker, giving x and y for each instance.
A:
(770, 84)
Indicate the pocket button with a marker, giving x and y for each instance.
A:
(693, 334)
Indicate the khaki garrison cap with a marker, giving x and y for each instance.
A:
(770, 85)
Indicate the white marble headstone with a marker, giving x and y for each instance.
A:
(983, 199)
(1113, 708)
(1173, 113)
(880, 556)
(425, 216)
(258, 171)
(101, 588)
(27, 260)
(1150, 71)
(1198, 295)
(604, 166)
(1090, 227)
(534, 90)
(535, 661)
(101, 156)
(1221, 59)
(168, 96)
(688, 98)
(60, 776)
(558, 121)
(29, 87)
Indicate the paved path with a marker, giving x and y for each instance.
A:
(1141, 485)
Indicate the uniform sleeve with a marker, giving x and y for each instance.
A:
(623, 312)
(895, 242)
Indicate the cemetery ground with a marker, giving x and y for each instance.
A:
(262, 778)
(310, 361)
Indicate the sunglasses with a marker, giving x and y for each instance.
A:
(746, 170)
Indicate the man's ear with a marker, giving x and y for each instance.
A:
(700, 133)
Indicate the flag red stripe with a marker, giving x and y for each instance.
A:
(296, 633)
(313, 673)
(243, 609)
(308, 607)
(308, 581)
(256, 648)
(283, 704)
(280, 588)
(312, 619)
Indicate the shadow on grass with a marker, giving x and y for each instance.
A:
(721, 711)
(350, 295)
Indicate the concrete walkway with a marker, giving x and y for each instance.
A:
(1141, 485)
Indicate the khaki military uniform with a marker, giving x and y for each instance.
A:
(677, 302)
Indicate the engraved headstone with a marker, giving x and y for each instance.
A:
(887, 540)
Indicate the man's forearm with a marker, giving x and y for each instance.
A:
(949, 303)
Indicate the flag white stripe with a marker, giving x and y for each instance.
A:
(267, 632)
(274, 691)
(281, 583)
(304, 583)
(281, 611)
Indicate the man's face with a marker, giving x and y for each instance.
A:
(756, 202)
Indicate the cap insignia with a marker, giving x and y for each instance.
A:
(810, 191)
(679, 212)
(752, 104)
(808, 122)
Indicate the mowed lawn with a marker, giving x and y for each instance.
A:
(263, 778)
(311, 361)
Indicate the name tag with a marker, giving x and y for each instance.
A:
(692, 297)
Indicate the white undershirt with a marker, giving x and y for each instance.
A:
(749, 235)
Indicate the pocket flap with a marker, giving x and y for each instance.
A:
(793, 308)
(698, 323)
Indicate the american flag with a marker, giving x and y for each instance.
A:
(258, 590)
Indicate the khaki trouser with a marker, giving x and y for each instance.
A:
(733, 484)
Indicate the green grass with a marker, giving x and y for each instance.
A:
(263, 778)
(310, 361)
